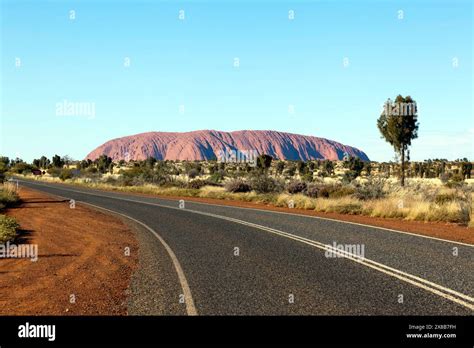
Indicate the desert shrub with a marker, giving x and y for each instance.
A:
(312, 191)
(196, 184)
(301, 167)
(323, 192)
(213, 167)
(266, 184)
(21, 168)
(8, 227)
(158, 179)
(349, 176)
(92, 170)
(296, 187)
(371, 189)
(291, 169)
(192, 173)
(143, 175)
(280, 166)
(217, 176)
(355, 166)
(328, 168)
(237, 185)
(54, 171)
(65, 174)
(308, 177)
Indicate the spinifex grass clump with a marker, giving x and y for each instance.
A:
(8, 195)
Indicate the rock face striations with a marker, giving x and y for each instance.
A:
(208, 144)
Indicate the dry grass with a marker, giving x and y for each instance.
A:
(8, 194)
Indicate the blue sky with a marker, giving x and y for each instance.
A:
(182, 76)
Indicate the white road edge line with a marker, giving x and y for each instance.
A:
(188, 298)
(335, 220)
(285, 213)
(409, 278)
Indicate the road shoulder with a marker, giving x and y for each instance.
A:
(83, 265)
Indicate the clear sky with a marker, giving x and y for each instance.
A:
(326, 72)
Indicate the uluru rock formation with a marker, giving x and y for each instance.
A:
(207, 144)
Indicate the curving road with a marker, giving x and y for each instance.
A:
(219, 260)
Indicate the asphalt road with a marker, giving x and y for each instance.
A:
(219, 260)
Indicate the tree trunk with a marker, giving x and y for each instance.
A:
(403, 165)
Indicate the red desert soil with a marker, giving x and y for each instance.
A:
(81, 252)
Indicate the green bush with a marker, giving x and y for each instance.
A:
(54, 171)
(8, 227)
(308, 177)
(217, 176)
(65, 174)
(280, 166)
(21, 168)
(265, 184)
(137, 176)
(290, 170)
